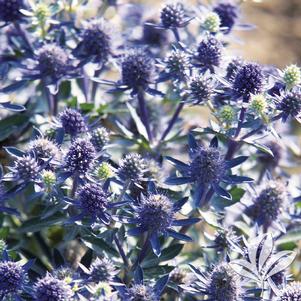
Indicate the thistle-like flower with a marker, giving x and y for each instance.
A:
(95, 44)
(211, 22)
(26, 168)
(292, 76)
(173, 15)
(137, 69)
(79, 158)
(220, 284)
(102, 270)
(292, 292)
(232, 68)
(228, 14)
(249, 80)
(268, 206)
(131, 168)
(72, 122)
(104, 171)
(50, 288)
(100, 137)
(290, 105)
(44, 148)
(207, 169)
(155, 214)
(10, 10)
(209, 54)
(141, 292)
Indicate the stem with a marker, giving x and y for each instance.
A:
(143, 252)
(176, 34)
(95, 85)
(74, 186)
(173, 120)
(23, 35)
(85, 83)
(121, 251)
(144, 113)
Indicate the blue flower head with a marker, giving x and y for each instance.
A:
(137, 69)
(50, 288)
(10, 10)
(249, 80)
(72, 122)
(53, 62)
(233, 68)
(209, 54)
(290, 105)
(220, 284)
(100, 137)
(26, 168)
(155, 214)
(291, 292)
(173, 15)
(44, 148)
(80, 157)
(142, 292)
(102, 270)
(207, 170)
(95, 44)
(228, 14)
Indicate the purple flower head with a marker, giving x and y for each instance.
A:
(207, 166)
(44, 149)
(72, 122)
(92, 200)
(12, 277)
(209, 54)
(131, 167)
(141, 292)
(233, 68)
(10, 10)
(50, 289)
(26, 168)
(173, 15)
(100, 137)
(95, 44)
(53, 62)
(290, 105)
(249, 80)
(228, 14)
(102, 270)
(79, 158)
(292, 292)
(137, 69)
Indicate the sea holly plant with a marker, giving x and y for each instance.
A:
(141, 159)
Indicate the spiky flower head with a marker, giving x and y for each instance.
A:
(228, 14)
(269, 204)
(102, 270)
(72, 122)
(100, 137)
(233, 67)
(224, 284)
(227, 114)
(223, 238)
(212, 22)
(179, 276)
(64, 273)
(12, 277)
(48, 178)
(292, 292)
(80, 156)
(10, 10)
(207, 165)
(258, 103)
(155, 212)
(131, 167)
(292, 75)
(137, 69)
(173, 15)
(141, 292)
(248, 80)
(53, 61)
(50, 288)
(26, 168)
(45, 149)
(104, 171)
(178, 64)
(200, 90)
(96, 42)
(269, 160)
(290, 105)
(209, 53)
(93, 200)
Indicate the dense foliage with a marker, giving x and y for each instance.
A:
(114, 186)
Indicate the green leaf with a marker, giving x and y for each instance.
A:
(87, 107)
(12, 124)
(99, 245)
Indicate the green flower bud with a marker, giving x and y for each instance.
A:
(2, 246)
(49, 178)
(42, 12)
(104, 171)
(292, 75)
(227, 114)
(258, 103)
(212, 22)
